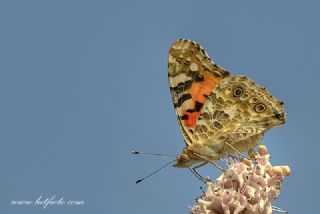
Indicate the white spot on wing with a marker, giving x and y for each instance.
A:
(170, 59)
(182, 77)
(188, 104)
(194, 67)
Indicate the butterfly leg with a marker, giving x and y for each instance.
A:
(218, 166)
(196, 167)
(200, 165)
(205, 158)
(280, 210)
(236, 151)
(195, 173)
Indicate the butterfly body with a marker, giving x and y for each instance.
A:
(215, 109)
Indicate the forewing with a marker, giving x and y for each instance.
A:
(192, 77)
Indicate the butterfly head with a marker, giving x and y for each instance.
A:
(185, 159)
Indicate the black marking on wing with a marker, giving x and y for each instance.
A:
(195, 76)
(182, 86)
(198, 106)
(191, 110)
(182, 99)
(184, 117)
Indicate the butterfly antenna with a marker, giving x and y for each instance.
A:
(135, 152)
(140, 180)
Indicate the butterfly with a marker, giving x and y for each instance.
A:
(218, 113)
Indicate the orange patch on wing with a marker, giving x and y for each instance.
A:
(199, 92)
(192, 119)
(201, 89)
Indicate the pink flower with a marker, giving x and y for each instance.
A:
(246, 187)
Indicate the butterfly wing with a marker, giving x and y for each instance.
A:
(237, 111)
(192, 77)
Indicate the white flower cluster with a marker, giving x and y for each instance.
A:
(245, 188)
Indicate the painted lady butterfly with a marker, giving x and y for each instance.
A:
(218, 113)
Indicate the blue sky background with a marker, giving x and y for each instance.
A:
(82, 83)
